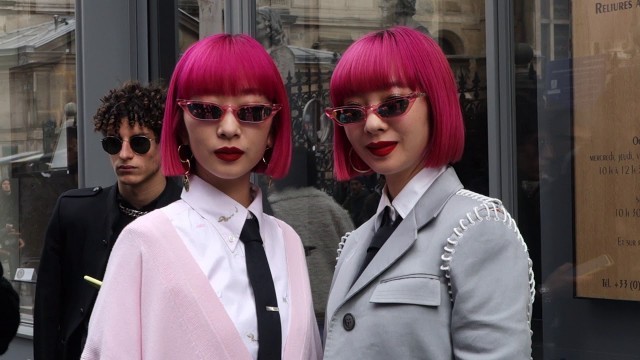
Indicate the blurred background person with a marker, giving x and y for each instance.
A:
(316, 217)
(86, 222)
(354, 203)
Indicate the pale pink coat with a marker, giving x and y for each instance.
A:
(156, 303)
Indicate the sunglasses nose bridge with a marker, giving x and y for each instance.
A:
(229, 110)
(229, 124)
(371, 110)
(373, 122)
(125, 148)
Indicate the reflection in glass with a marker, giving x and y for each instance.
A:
(38, 146)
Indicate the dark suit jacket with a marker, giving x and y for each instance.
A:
(78, 242)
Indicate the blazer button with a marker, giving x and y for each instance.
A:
(81, 310)
(348, 322)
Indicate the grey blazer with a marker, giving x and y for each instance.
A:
(454, 281)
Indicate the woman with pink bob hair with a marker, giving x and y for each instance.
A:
(439, 272)
(211, 276)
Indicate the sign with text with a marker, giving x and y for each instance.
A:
(606, 129)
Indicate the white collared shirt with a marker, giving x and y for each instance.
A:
(209, 222)
(409, 195)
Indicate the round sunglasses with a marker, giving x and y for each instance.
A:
(353, 114)
(140, 144)
(249, 113)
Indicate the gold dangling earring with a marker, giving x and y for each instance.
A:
(353, 166)
(185, 177)
(184, 154)
(264, 161)
(266, 165)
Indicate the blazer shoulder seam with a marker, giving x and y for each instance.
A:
(85, 192)
(485, 209)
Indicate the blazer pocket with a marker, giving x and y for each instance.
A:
(417, 289)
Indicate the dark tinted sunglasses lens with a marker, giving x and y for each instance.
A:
(111, 145)
(204, 111)
(391, 108)
(254, 113)
(349, 115)
(140, 144)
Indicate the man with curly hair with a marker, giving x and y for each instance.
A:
(86, 222)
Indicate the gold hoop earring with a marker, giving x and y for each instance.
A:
(355, 168)
(185, 155)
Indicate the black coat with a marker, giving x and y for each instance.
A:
(78, 242)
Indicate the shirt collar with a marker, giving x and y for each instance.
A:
(409, 195)
(218, 208)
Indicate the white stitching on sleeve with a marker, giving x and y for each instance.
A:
(496, 211)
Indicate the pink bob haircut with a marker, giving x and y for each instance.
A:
(399, 56)
(226, 65)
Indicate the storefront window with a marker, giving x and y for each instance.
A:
(578, 171)
(38, 137)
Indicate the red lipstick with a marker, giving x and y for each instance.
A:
(228, 153)
(382, 148)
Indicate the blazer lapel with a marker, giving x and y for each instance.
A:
(349, 265)
(98, 245)
(425, 210)
(435, 198)
(112, 213)
(398, 243)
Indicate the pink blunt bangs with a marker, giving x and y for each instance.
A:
(227, 65)
(400, 56)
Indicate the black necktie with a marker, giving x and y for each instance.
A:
(381, 235)
(264, 292)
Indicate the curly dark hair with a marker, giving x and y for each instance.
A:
(142, 105)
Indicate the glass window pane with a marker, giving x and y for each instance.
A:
(562, 38)
(561, 9)
(38, 137)
(576, 120)
(544, 8)
(197, 19)
(306, 39)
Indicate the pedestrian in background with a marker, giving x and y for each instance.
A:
(86, 222)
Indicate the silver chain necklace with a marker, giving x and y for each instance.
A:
(131, 212)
